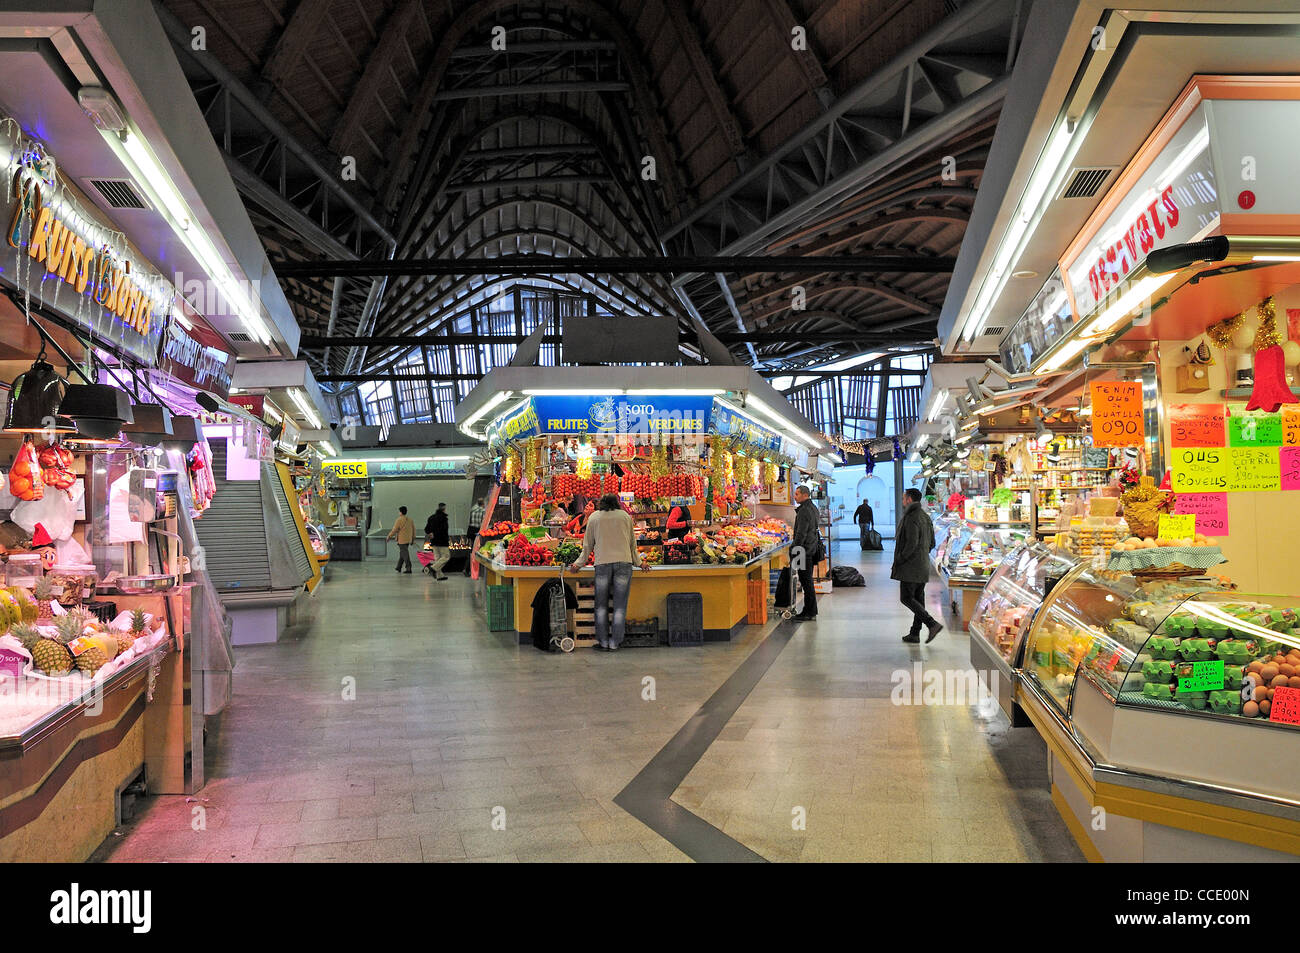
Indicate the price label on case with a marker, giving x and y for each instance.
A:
(1205, 677)
(1286, 706)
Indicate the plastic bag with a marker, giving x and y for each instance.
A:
(56, 511)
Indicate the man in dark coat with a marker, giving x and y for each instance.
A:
(436, 532)
(865, 519)
(912, 544)
(806, 550)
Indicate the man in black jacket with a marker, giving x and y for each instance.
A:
(865, 520)
(912, 544)
(437, 533)
(806, 550)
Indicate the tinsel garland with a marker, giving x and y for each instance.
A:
(1220, 333)
(1267, 335)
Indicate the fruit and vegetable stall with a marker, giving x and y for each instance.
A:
(717, 455)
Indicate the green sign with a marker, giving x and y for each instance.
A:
(1255, 430)
(1205, 677)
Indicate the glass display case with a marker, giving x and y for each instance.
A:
(1014, 594)
(1190, 647)
(976, 551)
(944, 527)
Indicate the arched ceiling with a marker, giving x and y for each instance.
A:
(370, 129)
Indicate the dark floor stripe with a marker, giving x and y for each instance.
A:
(648, 797)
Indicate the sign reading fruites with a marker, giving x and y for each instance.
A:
(1116, 413)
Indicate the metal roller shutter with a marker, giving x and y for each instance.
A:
(233, 533)
(297, 550)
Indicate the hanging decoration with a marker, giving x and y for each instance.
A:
(870, 464)
(769, 472)
(898, 451)
(1221, 332)
(1270, 390)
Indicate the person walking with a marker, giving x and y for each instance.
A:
(913, 541)
(436, 534)
(404, 531)
(476, 514)
(612, 537)
(806, 550)
(865, 519)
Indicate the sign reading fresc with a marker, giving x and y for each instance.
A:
(348, 469)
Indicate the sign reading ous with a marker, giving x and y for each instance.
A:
(1253, 468)
(1196, 425)
(1199, 470)
(1286, 706)
(1116, 413)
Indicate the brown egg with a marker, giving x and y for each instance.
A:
(1255, 677)
(1293, 681)
(1264, 694)
(1250, 709)
(1286, 669)
(1265, 707)
(1255, 666)
(1269, 672)
(1279, 681)
(1279, 659)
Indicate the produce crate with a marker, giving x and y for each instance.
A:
(500, 608)
(640, 633)
(758, 593)
(685, 618)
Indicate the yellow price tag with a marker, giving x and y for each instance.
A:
(1181, 526)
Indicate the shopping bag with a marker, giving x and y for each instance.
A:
(874, 544)
(784, 590)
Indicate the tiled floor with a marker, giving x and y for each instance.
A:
(454, 732)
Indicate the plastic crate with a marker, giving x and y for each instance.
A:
(640, 634)
(500, 608)
(685, 618)
(758, 593)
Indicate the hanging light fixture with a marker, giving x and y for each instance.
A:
(1042, 433)
(99, 411)
(34, 400)
(151, 424)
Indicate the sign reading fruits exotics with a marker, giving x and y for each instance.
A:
(58, 250)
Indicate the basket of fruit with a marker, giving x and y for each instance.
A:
(498, 530)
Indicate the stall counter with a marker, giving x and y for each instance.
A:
(724, 588)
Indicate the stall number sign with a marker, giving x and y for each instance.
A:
(1116, 413)
(1205, 677)
(348, 469)
(1196, 425)
(1181, 526)
(1286, 706)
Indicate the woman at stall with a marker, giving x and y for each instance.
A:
(678, 523)
(612, 537)
(578, 525)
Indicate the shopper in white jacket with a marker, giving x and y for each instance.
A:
(611, 535)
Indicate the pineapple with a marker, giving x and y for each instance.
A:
(49, 655)
(26, 605)
(44, 592)
(96, 651)
(138, 626)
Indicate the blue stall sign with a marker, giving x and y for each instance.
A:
(623, 414)
(730, 423)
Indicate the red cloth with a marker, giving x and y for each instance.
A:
(1271, 390)
(41, 536)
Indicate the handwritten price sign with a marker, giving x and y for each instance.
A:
(1253, 468)
(1255, 430)
(1199, 471)
(1116, 413)
(1286, 706)
(1178, 526)
(1290, 427)
(1289, 460)
(1210, 510)
(1196, 425)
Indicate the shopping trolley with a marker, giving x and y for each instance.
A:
(559, 618)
